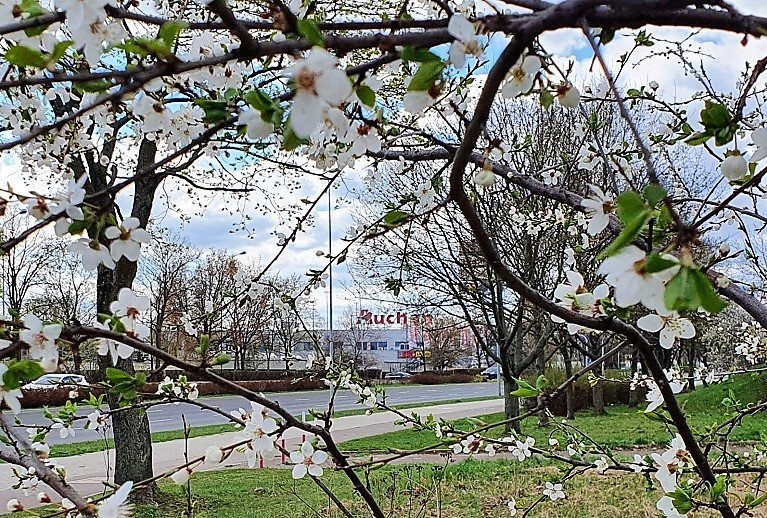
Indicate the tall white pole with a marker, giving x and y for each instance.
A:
(330, 269)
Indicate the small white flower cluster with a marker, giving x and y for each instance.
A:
(41, 339)
(348, 379)
(127, 239)
(669, 467)
(180, 388)
(752, 343)
(654, 396)
(574, 296)
(259, 429)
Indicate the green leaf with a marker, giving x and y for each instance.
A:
(215, 111)
(654, 193)
(426, 75)
(116, 375)
(525, 393)
(698, 138)
(709, 299)
(77, 227)
(545, 98)
(366, 95)
(718, 489)
(20, 371)
(541, 382)
(606, 36)
(630, 206)
(689, 290)
(395, 218)
(682, 500)
(95, 86)
(657, 263)
(290, 140)
(222, 359)
(633, 213)
(258, 100)
(60, 50)
(22, 56)
(309, 30)
(628, 235)
(169, 32)
(715, 116)
(418, 55)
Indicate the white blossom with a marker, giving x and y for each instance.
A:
(626, 272)
(42, 341)
(521, 77)
(319, 84)
(117, 505)
(734, 167)
(465, 43)
(92, 252)
(127, 239)
(670, 325)
(129, 307)
(554, 491)
(568, 96)
(307, 460)
(257, 127)
(598, 208)
(759, 138)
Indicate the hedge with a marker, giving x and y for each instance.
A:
(59, 396)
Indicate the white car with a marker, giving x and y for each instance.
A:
(52, 381)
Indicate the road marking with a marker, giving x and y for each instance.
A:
(160, 420)
(302, 399)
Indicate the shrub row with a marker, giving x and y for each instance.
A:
(59, 396)
(437, 379)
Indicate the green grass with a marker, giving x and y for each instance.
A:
(470, 489)
(622, 427)
(79, 448)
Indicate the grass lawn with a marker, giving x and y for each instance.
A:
(78, 448)
(470, 489)
(623, 427)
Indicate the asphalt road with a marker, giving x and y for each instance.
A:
(167, 416)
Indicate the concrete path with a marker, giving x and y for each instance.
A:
(86, 472)
(167, 417)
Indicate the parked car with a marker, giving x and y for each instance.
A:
(52, 381)
(491, 373)
(397, 375)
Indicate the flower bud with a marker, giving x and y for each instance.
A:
(213, 455)
(734, 167)
(181, 476)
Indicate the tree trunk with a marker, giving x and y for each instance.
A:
(598, 393)
(570, 390)
(132, 436)
(511, 405)
(543, 416)
(633, 394)
(691, 366)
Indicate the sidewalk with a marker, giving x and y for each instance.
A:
(86, 472)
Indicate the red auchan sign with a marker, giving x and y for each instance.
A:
(399, 318)
(391, 319)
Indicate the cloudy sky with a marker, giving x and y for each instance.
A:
(724, 68)
(214, 230)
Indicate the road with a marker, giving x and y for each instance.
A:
(167, 416)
